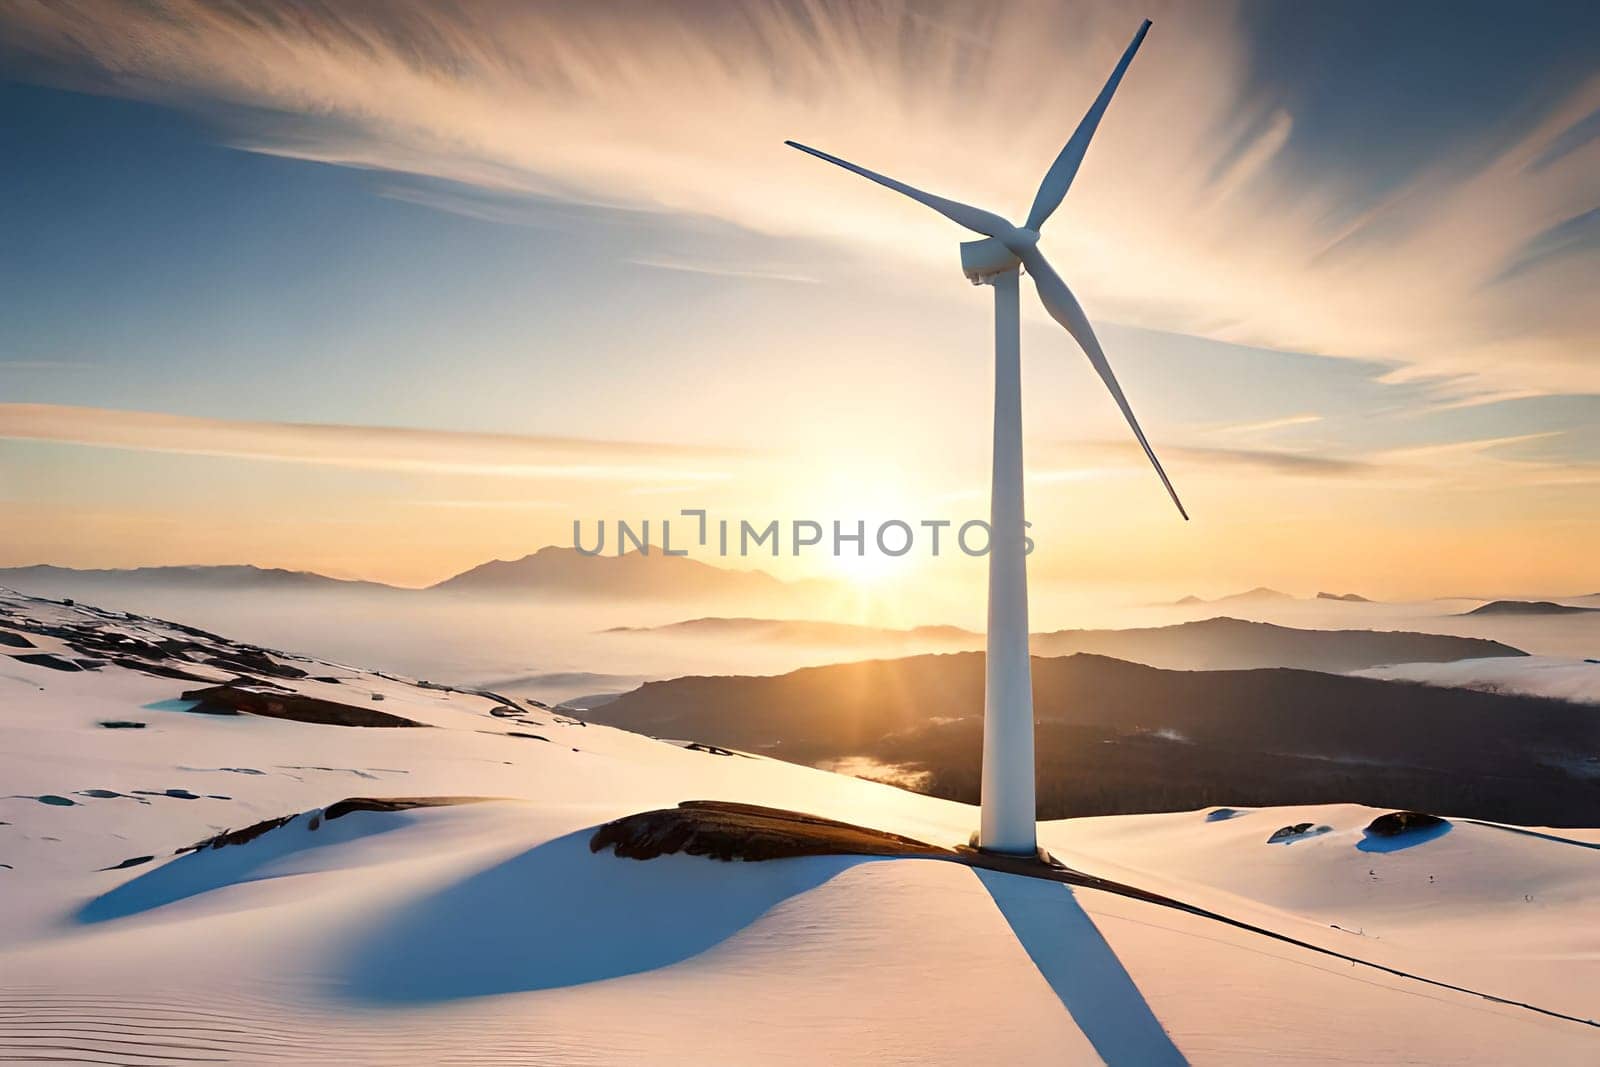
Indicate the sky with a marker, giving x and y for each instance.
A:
(387, 290)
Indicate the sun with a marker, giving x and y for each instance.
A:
(871, 568)
(867, 500)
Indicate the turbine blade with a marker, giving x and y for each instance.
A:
(1065, 309)
(1059, 177)
(976, 219)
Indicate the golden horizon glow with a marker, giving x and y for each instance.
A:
(425, 284)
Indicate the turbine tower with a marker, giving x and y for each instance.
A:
(1008, 819)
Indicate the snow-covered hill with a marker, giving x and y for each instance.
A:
(489, 932)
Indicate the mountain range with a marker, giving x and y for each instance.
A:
(44, 578)
(1237, 644)
(566, 572)
(552, 571)
(1263, 595)
(1208, 644)
(807, 632)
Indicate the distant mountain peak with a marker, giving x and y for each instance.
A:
(1353, 598)
(1528, 607)
(1260, 592)
(652, 575)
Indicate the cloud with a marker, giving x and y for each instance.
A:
(1489, 464)
(1574, 137)
(1484, 464)
(1267, 425)
(1577, 236)
(1186, 216)
(369, 447)
(1201, 458)
(1298, 464)
(1455, 449)
(722, 271)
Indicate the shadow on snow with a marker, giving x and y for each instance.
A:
(557, 915)
(1082, 970)
(1399, 842)
(285, 850)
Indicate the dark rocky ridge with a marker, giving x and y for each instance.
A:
(1116, 737)
(1208, 644)
(1237, 644)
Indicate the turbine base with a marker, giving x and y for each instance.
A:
(1038, 855)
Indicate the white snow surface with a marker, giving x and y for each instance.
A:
(490, 933)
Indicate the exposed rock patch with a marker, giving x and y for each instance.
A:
(1396, 823)
(1286, 834)
(162, 656)
(159, 670)
(236, 837)
(349, 804)
(696, 746)
(253, 661)
(49, 660)
(232, 699)
(726, 831)
(336, 810)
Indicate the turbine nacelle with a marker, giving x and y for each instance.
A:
(981, 260)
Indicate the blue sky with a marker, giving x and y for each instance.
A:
(1347, 248)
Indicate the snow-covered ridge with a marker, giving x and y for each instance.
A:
(490, 933)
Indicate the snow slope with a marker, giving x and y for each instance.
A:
(489, 933)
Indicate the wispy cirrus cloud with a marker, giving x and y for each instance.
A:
(685, 266)
(1478, 273)
(1480, 463)
(1209, 460)
(1267, 425)
(369, 447)
(1299, 464)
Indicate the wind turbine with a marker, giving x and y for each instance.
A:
(1007, 823)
